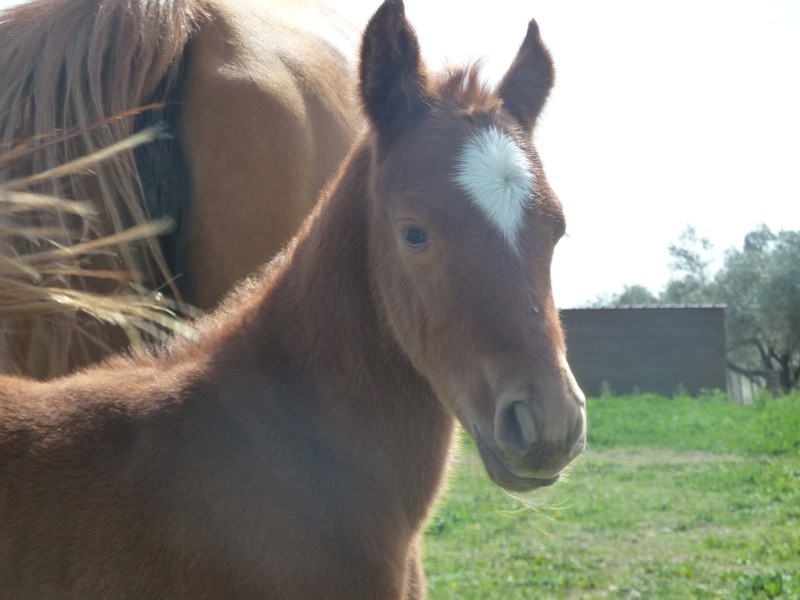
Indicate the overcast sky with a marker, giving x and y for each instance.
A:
(664, 114)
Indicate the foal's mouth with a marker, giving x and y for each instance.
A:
(501, 474)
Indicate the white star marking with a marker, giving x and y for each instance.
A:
(497, 175)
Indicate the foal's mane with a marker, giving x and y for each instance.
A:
(461, 87)
(232, 316)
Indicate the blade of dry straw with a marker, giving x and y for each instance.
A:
(21, 291)
(128, 235)
(86, 162)
(14, 202)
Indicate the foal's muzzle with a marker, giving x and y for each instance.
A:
(533, 438)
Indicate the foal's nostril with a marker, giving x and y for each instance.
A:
(517, 429)
(578, 436)
(577, 449)
(578, 433)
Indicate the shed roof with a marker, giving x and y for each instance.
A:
(647, 306)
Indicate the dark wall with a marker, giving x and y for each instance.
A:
(652, 349)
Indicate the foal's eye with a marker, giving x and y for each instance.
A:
(415, 236)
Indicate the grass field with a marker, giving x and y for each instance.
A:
(675, 498)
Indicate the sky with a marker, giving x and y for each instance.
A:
(664, 114)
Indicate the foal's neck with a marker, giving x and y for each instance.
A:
(319, 332)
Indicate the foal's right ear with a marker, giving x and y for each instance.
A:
(393, 79)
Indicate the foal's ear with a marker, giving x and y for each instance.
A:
(393, 80)
(526, 85)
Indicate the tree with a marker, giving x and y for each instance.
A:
(691, 255)
(631, 295)
(691, 258)
(760, 284)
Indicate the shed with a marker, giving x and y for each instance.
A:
(647, 348)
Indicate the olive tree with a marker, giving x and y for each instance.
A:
(761, 286)
(759, 283)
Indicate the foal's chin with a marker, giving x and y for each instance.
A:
(502, 475)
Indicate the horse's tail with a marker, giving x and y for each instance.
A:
(75, 77)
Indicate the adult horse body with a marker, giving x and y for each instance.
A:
(294, 449)
(258, 99)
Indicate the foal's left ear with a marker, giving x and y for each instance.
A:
(526, 86)
(393, 80)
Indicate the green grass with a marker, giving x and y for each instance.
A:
(675, 498)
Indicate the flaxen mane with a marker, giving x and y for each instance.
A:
(107, 62)
(118, 68)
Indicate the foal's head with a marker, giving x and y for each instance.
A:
(463, 226)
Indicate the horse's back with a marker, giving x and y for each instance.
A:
(269, 115)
